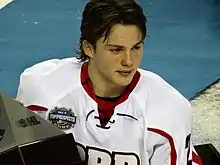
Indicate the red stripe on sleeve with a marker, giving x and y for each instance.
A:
(196, 159)
(37, 108)
(173, 155)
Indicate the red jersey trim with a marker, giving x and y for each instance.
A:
(37, 108)
(173, 155)
(196, 159)
(87, 84)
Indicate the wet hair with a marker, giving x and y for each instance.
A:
(99, 16)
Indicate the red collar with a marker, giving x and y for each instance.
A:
(87, 84)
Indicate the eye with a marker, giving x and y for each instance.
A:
(116, 50)
(136, 48)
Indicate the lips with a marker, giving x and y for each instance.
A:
(125, 73)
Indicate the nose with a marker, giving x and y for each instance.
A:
(126, 59)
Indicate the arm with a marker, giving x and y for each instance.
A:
(44, 83)
(174, 152)
(173, 144)
(33, 91)
(30, 95)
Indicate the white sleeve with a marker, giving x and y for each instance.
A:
(41, 84)
(31, 94)
(44, 83)
(171, 153)
(176, 147)
(36, 83)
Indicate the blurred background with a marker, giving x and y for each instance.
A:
(183, 44)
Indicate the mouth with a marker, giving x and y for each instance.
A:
(125, 73)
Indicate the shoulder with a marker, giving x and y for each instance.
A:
(50, 66)
(47, 80)
(154, 80)
(158, 87)
(166, 108)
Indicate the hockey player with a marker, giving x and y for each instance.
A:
(118, 113)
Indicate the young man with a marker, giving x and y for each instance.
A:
(118, 113)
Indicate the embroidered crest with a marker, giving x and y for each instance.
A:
(63, 118)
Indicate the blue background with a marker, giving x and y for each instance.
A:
(183, 45)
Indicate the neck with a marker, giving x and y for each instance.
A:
(102, 87)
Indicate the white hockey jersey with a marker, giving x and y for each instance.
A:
(151, 125)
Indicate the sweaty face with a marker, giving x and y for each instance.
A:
(115, 60)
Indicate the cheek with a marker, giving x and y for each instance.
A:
(105, 61)
(109, 59)
(137, 57)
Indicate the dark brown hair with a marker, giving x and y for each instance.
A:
(99, 16)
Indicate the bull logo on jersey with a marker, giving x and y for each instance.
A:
(63, 118)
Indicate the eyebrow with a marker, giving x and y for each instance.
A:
(120, 46)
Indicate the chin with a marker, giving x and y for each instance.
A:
(124, 82)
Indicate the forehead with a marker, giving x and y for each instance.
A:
(126, 35)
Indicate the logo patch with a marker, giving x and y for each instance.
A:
(63, 118)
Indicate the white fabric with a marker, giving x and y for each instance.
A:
(156, 105)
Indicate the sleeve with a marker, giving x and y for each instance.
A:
(38, 86)
(31, 95)
(173, 145)
(44, 83)
(170, 153)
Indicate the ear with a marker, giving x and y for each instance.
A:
(88, 48)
